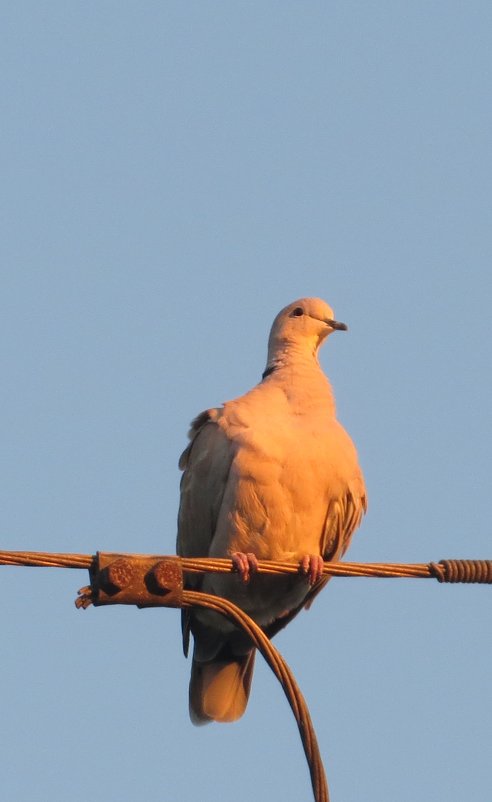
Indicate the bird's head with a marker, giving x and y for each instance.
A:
(303, 324)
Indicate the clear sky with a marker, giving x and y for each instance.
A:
(173, 174)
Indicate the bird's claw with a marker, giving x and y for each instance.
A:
(312, 566)
(244, 564)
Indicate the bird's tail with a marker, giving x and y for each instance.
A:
(219, 690)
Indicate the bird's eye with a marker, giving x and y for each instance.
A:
(297, 312)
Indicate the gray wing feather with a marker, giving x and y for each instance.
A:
(206, 463)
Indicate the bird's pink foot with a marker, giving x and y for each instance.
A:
(244, 564)
(311, 566)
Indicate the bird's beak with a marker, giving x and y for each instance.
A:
(334, 324)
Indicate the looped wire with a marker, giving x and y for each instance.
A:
(285, 677)
(468, 571)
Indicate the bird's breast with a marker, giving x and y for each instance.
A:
(282, 477)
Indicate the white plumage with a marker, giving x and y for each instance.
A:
(270, 475)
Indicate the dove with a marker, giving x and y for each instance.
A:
(269, 475)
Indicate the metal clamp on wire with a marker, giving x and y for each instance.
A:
(142, 580)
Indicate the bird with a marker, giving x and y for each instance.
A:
(270, 475)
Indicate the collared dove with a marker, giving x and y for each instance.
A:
(270, 475)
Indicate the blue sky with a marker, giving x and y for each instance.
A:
(174, 174)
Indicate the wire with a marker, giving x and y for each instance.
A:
(467, 571)
(284, 676)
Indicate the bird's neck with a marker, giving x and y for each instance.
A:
(287, 354)
(298, 372)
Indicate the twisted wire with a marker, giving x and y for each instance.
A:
(46, 559)
(467, 571)
(284, 676)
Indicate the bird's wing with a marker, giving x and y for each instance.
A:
(343, 516)
(206, 464)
